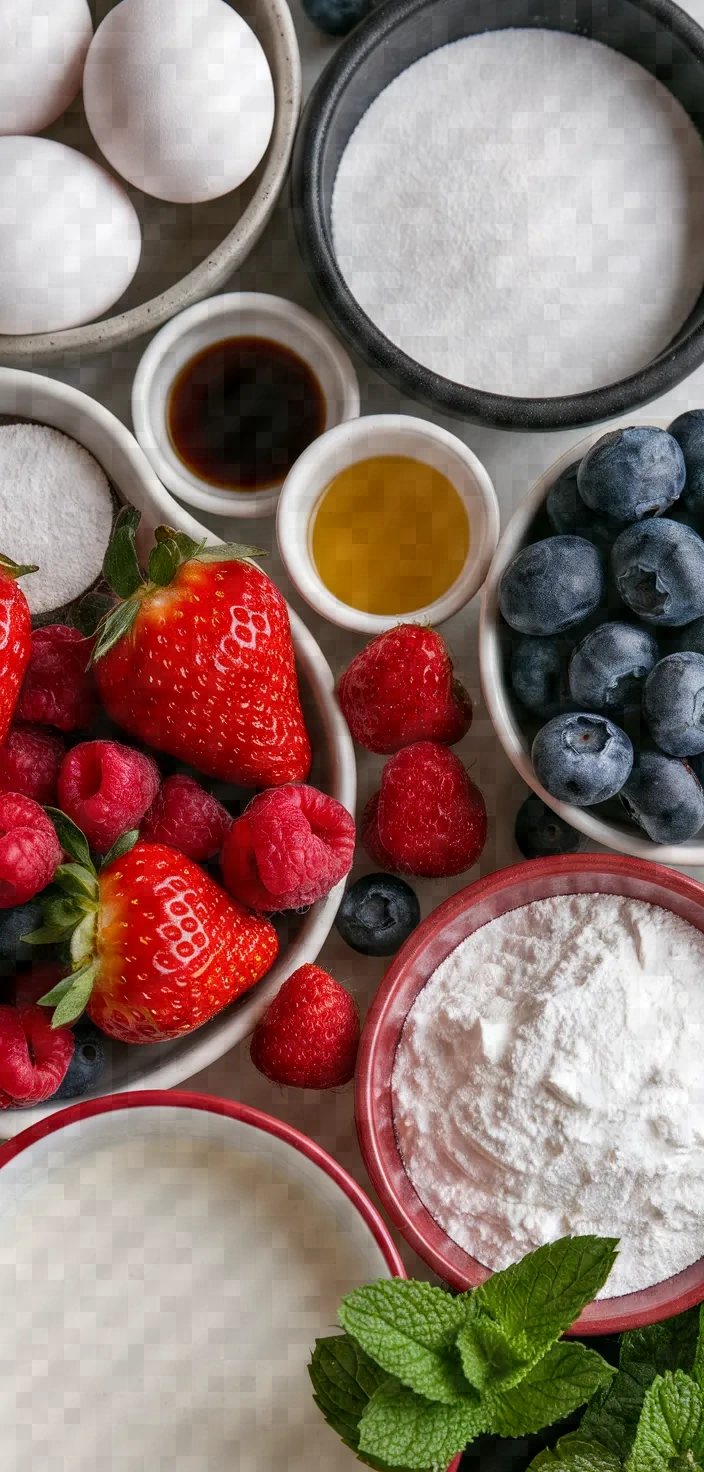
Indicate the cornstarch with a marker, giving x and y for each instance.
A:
(549, 1082)
(523, 212)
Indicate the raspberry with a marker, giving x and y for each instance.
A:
(309, 1035)
(34, 1057)
(106, 789)
(29, 850)
(291, 846)
(30, 761)
(58, 687)
(428, 818)
(185, 816)
(401, 689)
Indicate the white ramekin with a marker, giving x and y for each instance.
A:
(237, 314)
(360, 439)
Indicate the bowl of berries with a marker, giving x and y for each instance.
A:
(591, 642)
(176, 783)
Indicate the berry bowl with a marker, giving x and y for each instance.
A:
(30, 396)
(428, 946)
(605, 822)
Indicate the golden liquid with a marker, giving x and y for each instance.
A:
(389, 535)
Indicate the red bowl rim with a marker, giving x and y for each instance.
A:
(380, 1036)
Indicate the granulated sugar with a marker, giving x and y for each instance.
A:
(523, 212)
(549, 1082)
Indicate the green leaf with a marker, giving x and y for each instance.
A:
(671, 1424)
(87, 615)
(488, 1357)
(117, 624)
(122, 845)
(72, 841)
(46, 935)
(612, 1416)
(164, 562)
(121, 565)
(76, 998)
(565, 1378)
(186, 545)
(409, 1329)
(62, 913)
(409, 1431)
(229, 552)
(574, 1454)
(83, 940)
(57, 992)
(537, 1299)
(698, 1361)
(74, 879)
(15, 569)
(344, 1378)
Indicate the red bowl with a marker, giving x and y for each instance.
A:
(415, 963)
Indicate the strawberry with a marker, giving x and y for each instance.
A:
(402, 689)
(309, 1034)
(157, 947)
(427, 818)
(15, 639)
(198, 662)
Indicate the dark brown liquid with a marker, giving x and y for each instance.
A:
(242, 411)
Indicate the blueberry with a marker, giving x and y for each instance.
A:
(688, 430)
(582, 759)
(378, 912)
(673, 704)
(607, 670)
(658, 567)
(664, 797)
(539, 674)
(336, 17)
(87, 1063)
(552, 585)
(13, 925)
(540, 833)
(568, 514)
(632, 473)
(692, 637)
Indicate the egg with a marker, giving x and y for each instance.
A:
(179, 97)
(43, 47)
(70, 239)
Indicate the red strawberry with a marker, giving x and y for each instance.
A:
(428, 818)
(401, 689)
(309, 1034)
(199, 663)
(34, 1057)
(15, 639)
(289, 849)
(158, 948)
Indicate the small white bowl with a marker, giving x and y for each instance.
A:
(384, 434)
(237, 314)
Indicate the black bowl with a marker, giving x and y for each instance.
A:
(654, 33)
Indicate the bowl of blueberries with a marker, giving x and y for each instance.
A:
(592, 645)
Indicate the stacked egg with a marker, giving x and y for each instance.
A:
(179, 98)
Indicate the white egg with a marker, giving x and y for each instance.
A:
(70, 239)
(179, 97)
(43, 47)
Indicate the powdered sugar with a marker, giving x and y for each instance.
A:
(523, 211)
(549, 1081)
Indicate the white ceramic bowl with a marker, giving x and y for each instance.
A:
(384, 434)
(624, 836)
(237, 314)
(166, 1064)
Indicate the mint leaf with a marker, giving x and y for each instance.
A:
(574, 1454)
(698, 1361)
(535, 1300)
(409, 1329)
(406, 1429)
(488, 1357)
(612, 1416)
(344, 1379)
(671, 1424)
(565, 1378)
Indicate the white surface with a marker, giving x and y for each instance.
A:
(362, 439)
(43, 45)
(514, 462)
(236, 314)
(567, 1034)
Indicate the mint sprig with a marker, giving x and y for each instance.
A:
(409, 1329)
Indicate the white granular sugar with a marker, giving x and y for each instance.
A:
(523, 212)
(56, 512)
(549, 1081)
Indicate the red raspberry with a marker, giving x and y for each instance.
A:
(309, 1035)
(428, 818)
(185, 816)
(291, 846)
(401, 689)
(29, 850)
(58, 687)
(34, 1057)
(30, 761)
(107, 788)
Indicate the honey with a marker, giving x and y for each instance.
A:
(389, 535)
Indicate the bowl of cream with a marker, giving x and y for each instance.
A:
(530, 1069)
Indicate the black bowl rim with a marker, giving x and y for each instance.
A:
(500, 411)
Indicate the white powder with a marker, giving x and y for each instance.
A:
(56, 512)
(550, 1081)
(523, 212)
